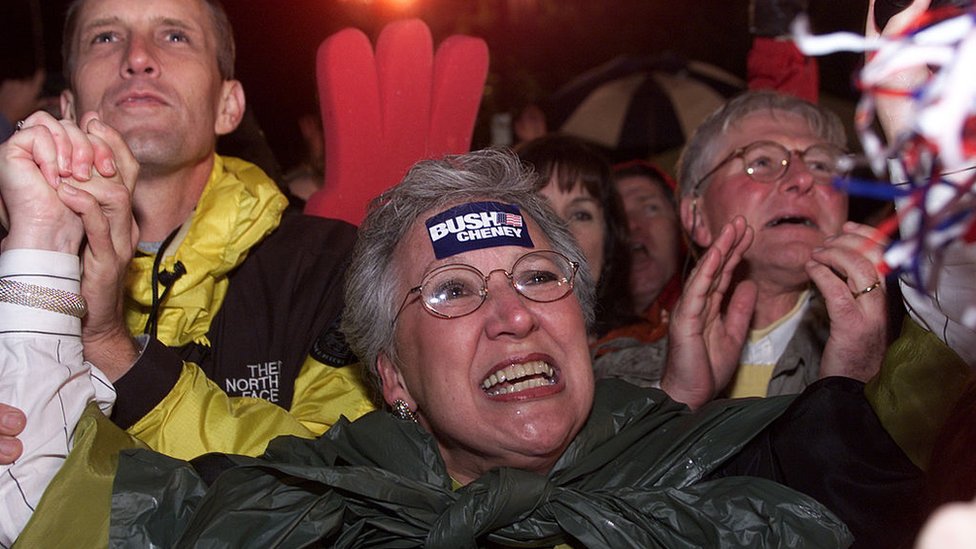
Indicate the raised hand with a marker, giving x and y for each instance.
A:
(39, 164)
(104, 205)
(42, 168)
(60, 183)
(705, 342)
(845, 272)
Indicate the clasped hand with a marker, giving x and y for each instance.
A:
(60, 182)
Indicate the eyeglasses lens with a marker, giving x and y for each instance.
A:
(543, 276)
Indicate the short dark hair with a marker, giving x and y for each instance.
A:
(226, 49)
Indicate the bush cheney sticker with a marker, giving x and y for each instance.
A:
(477, 225)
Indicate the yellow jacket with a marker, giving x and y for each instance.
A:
(279, 298)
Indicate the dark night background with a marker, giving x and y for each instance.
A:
(535, 45)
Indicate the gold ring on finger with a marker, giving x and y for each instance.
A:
(867, 290)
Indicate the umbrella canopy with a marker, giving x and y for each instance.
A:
(641, 106)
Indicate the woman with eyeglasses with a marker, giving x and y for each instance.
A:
(820, 306)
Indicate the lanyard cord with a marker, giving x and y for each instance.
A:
(166, 278)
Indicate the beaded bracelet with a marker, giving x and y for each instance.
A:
(42, 297)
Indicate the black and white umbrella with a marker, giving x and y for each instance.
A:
(641, 106)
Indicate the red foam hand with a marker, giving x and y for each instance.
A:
(383, 113)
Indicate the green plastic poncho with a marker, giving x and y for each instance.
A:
(631, 478)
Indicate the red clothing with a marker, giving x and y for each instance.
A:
(652, 327)
(779, 65)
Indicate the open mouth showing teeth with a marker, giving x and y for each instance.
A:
(519, 377)
(791, 220)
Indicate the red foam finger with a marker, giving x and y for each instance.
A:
(350, 104)
(460, 71)
(404, 61)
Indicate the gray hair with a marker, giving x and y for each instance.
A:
(700, 153)
(372, 281)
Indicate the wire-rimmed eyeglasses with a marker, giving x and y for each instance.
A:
(455, 290)
(767, 161)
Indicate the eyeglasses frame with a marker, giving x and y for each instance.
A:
(739, 152)
(571, 280)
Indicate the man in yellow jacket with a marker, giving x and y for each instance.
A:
(217, 318)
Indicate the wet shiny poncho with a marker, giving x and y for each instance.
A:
(635, 476)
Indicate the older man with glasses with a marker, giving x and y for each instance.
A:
(820, 307)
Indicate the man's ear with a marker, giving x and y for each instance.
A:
(230, 110)
(693, 222)
(393, 385)
(68, 106)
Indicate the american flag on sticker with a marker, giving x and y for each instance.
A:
(511, 220)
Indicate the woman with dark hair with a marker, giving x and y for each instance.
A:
(575, 177)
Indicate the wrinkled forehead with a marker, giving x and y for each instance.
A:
(186, 13)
